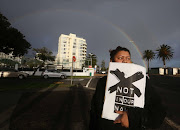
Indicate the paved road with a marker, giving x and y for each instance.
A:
(93, 82)
(168, 88)
(171, 101)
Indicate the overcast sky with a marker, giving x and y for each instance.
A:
(135, 24)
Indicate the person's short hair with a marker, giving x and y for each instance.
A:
(115, 51)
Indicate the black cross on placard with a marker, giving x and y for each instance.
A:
(126, 82)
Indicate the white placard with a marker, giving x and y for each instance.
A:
(125, 87)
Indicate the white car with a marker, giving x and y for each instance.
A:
(103, 72)
(53, 73)
(30, 71)
(4, 73)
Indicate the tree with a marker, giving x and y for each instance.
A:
(103, 67)
(8, 62)
(44, 54)
(148, 55)
(12, 40)
(4, 26)
(164, 52)
(4, 22)
(91, 57)
(32, 63)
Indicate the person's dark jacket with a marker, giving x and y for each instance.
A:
(151, 116)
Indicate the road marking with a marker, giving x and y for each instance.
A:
(91, 88)
(88, 83)
(172, 124)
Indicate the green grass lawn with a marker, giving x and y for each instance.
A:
(30, 83)
(79, 77)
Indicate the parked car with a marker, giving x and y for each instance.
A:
(53, 73)
(103, 72)
(28, 71)
(31, 71)
(12, 73)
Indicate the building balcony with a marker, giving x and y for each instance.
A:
(82, 55)
(82, 48)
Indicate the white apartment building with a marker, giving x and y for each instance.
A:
(69, 46)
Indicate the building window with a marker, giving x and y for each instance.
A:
(64, 52)
(74, 46)
(74, 53)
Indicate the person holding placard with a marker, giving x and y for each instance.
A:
(151, 115)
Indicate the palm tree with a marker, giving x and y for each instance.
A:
(164, 52)
(103, 67)
(92, 58)
(148, 55)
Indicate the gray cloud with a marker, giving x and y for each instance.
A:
(104, 24)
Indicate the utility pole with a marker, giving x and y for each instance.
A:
(72, 73)
(73, 60)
